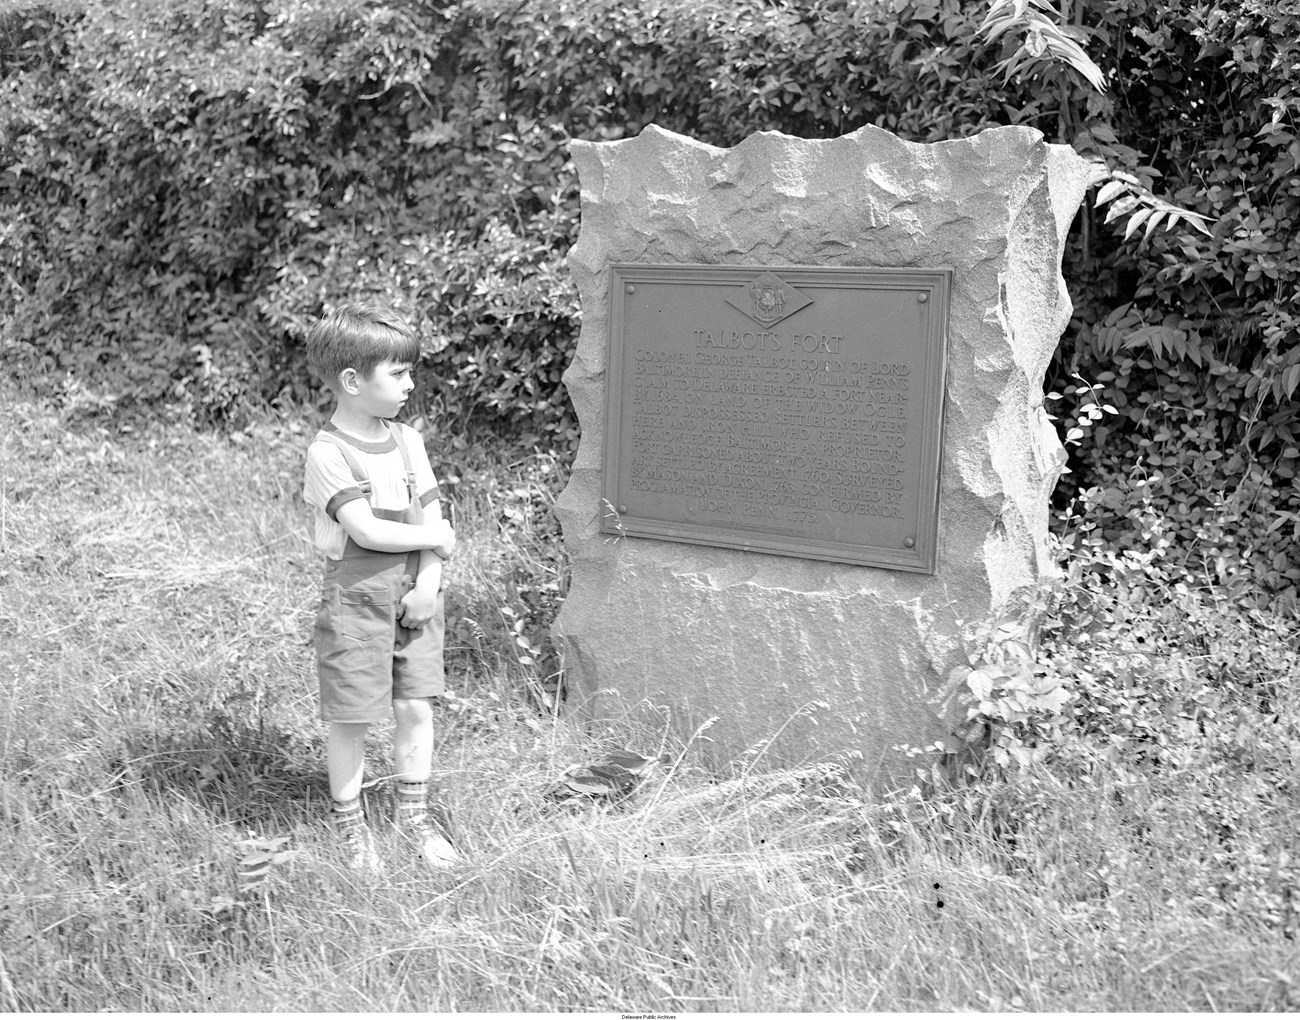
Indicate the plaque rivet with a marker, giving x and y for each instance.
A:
(622, 509)
(923, 298)
(631, 289)
(909, 542)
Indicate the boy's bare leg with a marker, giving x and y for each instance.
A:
(413, 760)
(345, 753)
(413, 741)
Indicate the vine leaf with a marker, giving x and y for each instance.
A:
(1129, 197)
(1045, 40)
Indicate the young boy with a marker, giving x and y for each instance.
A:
(377, 519)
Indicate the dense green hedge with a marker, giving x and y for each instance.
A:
(185, 184)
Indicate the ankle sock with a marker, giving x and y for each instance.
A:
(346, 815)
(412, 802)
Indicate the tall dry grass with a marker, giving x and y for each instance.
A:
(163, 785)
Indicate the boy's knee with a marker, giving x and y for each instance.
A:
(413, 710)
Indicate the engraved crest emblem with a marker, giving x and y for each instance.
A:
(769, 303)
(767, 299)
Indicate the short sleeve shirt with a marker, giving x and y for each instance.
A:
(329, 482)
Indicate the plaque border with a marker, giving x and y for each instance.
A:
(935, 282)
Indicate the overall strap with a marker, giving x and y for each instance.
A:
(406, 460)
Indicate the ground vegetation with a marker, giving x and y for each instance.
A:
(160, 816)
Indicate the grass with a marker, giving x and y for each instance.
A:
(164, 780)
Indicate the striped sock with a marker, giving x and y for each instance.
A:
(412, 802)
(347, 816)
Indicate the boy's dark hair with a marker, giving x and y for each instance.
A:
(360, 337)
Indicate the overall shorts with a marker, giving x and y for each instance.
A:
(364, 657)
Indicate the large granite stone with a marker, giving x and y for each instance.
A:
(804, 659)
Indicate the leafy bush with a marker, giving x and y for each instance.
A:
(1172, 476)
(1194, 339)
(281, 158)
(187, 184)
(1152, 737)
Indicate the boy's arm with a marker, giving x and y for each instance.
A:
(371, 532)
(429, 576)
(427, 481)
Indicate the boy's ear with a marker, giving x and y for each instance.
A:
(348, 381)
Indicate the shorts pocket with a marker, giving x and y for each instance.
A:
(365, 615)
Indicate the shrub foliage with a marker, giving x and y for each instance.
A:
(185, 184)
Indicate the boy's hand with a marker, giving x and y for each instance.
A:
(418, 605)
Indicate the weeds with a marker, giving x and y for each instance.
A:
(1159, 774)
(164, 783)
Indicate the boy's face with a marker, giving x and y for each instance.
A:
(383, 393)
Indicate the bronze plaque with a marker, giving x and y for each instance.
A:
(791, 410)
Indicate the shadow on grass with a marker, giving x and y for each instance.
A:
(254, 777)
